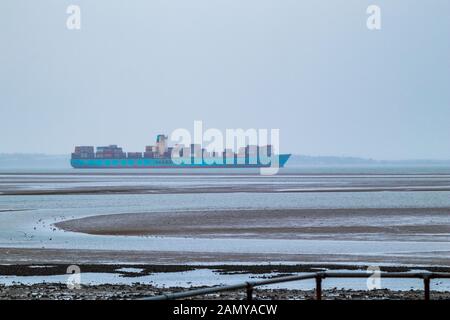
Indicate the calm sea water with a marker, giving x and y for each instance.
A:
(26, 221)
(249, 180)
(31, 225)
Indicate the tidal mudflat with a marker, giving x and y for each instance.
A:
(353, 219)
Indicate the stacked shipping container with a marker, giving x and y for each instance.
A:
(162, 151)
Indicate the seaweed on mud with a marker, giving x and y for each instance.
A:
(58, 269)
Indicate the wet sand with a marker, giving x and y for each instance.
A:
(75, 183)
(23, 256)
(429, 224)
(231, 189)
(424, 224)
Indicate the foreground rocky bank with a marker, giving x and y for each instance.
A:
(56, 291)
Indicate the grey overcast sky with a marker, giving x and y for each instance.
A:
(310, 68)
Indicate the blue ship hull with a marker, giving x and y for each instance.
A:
(127, 163)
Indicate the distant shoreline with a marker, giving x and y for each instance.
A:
(22, 161)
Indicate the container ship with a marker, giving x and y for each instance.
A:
(162, 156)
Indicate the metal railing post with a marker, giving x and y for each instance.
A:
(249, 292)
(426, 285)
(319, 287)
